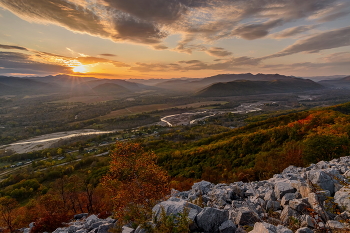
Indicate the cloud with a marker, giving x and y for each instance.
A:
(218, 52)
(315, 43)
(198, 21)
(289, 32)
(58, 12)
(336, 11)
(256, 31)
(337, 58)
(94, 60)
(108, 55)
(37, 62)
(22, 63)
(219, 64)
(95, 20)
(12, 47)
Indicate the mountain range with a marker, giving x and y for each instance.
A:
(246, 87)
(218, 85)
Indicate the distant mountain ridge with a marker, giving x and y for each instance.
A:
(14, 85)
(191, 85)
(63, 84)
(247, 87)
(342, 83)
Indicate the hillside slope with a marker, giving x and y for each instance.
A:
(246, 87)
(260, 149)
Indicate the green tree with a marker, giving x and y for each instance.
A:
(325, 147)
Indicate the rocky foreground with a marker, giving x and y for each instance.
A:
(302, 200)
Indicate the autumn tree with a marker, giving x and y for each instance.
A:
(134, 180)
(7, 207)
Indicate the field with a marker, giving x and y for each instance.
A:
(154, 107)
(135, 110)
(201, 104)
(85, 99)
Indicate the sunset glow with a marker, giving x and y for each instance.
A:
(80, 69)
(173, 39)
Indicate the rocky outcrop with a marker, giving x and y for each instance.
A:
(84, 224)
(299, 196)
(304, 199)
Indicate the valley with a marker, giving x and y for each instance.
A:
(51, 138)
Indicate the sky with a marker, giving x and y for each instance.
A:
(129, 39)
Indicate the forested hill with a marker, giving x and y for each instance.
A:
(246, 87)
(260, 149)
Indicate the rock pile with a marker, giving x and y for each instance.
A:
(300, 200)
(84, 224)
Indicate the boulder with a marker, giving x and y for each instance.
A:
(210, 219)
(315, 199)
(81, 231)
(220, 196)
(104, 228)
(227, 227)
(299, 205)
(287, 213)
(80, 216)
(308, 221)
(282, 188)
(263, 227)
(175, 206)
(238, 191)
(347, 174)
(335, 224)
(286, 198)
(125, 229)
(343, 216)
(96, 224)
(272, 205)
(283, 229)
(270, 196)
(321, 179)
(73, 228)
(201, 188)
(245, 216)
(60, 230)
(304, 230)
(305, 190)
(342, 198)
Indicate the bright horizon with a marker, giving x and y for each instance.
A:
(174, 38)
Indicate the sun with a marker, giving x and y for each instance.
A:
(80, 69)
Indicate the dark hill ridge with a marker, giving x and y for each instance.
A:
(190, 85)
(15, 86)
(110, 88)
(246, 87)
(63, 84)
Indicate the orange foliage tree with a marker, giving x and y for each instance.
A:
(134, 180)
(7, 207)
